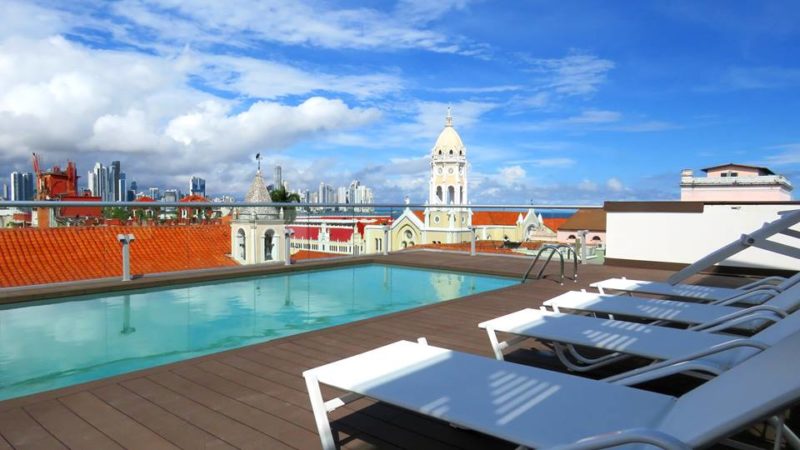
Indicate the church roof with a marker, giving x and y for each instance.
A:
(258, 193)
(449, 139)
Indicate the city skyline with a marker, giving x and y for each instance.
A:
(555, 104)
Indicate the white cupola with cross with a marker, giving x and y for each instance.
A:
(448, 184)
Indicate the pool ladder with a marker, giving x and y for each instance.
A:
(554, 249)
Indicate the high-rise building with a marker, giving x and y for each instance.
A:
(154, 193)
(5, 192)
(133, 185)
(16, 186)
(326, 193)
(278, 177)
(28, 192)
(99, 183)
(197, 186)
(114, 174)
(171, 195)
(122, 189)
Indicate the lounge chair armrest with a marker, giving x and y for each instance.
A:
(768, 281)
(766, 292)
(661, 369)
(632, 436)
(753, 310)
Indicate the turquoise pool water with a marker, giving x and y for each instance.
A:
(47, 345)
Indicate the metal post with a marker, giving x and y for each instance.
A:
(583, 234)
(125, 240)
(287, 248)
(473, 237)
(386, 239)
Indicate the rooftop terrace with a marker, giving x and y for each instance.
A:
(255, 397)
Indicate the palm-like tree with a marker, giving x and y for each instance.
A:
(281, 195)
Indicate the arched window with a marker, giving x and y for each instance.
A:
(451, 152)
(439, 193)
(411, 244)
(571, 237)
(440, 153)
(461, 152)
(596, 239)
(404, 244)
(241, 245)
(451, 194)
(269, 245)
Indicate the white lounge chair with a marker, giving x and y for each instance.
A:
(758, 238)
(537, 408)
(698, 316)
(676, 350)
(751, 294)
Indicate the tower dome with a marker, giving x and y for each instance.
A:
(449, 140)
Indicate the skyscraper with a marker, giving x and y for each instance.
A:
(122, 189)
(197, 186)
(114, 174)
(99, 183)
(27, 186)
(5, 192)
(278, 177)
(16, 186)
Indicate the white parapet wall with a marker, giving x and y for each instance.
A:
(656, 234)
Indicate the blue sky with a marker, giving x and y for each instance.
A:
(556, 101)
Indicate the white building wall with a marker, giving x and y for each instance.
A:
(686, 237)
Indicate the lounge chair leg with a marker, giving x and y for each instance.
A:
(783, 432)
(498, 352)
(320, 413)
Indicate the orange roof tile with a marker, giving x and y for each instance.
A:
(508, 218)
(36, 256)
(554, 223)
(311, 254)
(420, 215)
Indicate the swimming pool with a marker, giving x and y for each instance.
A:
(46, 345)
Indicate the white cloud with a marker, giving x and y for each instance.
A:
(587, 186)
(510, 175)
(300, 22)
(788, 154)
(614, 185)
(594, 116)
(574, 74)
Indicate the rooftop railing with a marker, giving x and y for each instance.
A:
(51, 242)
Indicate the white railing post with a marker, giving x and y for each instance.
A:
(386, 239)
(473, 237)
(125, 240)
(287, 246)
(583, 234)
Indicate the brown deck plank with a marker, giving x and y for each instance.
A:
(176, 430)
(124, 430)
(255, 397)
(70, 429)
(23, 433)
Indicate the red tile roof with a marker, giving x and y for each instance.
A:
(420, 215)
(311, 254)
(508, 218)
(554, 223)
(38, 256)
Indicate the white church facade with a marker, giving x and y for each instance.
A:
(258, 236)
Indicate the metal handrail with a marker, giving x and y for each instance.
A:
(161, 204)
(553, 250)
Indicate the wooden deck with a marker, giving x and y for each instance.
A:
(255, 397)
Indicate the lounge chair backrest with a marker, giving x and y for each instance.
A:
(788, 300)
(763, 385)
(780, 330)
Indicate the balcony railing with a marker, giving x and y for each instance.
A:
(47, 242)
